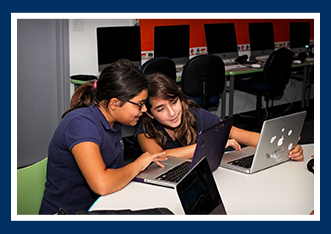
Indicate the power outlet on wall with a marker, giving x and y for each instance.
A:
(78, 25)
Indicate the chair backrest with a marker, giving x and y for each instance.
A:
(204, 76)
(277, 69)
(162, 65)
(30, 187)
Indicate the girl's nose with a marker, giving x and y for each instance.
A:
(171, 112)
(143, 108)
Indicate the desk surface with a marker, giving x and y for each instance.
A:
(248, 70)
(285, 189)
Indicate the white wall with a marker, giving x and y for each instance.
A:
(83, 44)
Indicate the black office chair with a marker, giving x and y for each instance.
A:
(272, 82)
(161, 65)
(203, 80)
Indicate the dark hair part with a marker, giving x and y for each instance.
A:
(121, 80)
(162, 87)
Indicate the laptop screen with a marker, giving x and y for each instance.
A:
(198, 192)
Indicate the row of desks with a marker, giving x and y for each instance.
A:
(236, 72)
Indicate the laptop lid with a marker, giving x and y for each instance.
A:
(198, 192)
(210, 144)
(278, 137)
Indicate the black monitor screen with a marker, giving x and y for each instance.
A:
(172, 41)
(221, 40)
(299, 36)
(261, 38)
(198, 191)
(118, 42)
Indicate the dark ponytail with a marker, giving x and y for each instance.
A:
(121, 80)
(83, 97)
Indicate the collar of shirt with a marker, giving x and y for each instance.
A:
(95, 109)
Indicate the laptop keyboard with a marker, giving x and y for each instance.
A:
(175, 174)
(245, 162)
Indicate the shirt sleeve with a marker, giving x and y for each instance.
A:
(206, 119)
(79, 130)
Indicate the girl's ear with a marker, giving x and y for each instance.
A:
(114, 103)
(149, 115)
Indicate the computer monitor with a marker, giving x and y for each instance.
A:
(118, 42)
(172, 41)
(221, 40)
(261, 39)
(299, 36)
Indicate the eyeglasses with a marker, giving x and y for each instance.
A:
(138, 104)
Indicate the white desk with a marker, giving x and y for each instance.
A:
(285, 189)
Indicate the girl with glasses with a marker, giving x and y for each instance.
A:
(85, 155)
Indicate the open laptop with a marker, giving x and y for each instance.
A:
(198, 192)
(210, 144)
(278, 137)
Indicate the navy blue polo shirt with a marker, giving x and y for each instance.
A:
(66, 186)
(204, 119)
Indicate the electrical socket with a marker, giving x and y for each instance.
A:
(78, 25)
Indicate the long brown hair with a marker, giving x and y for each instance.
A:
(162, 87)
(121, 79)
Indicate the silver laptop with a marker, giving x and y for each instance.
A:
(210, 144)
(198, 192)
(278, 137)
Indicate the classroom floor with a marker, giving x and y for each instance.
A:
(247, 121)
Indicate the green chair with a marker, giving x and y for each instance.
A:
(30, 187)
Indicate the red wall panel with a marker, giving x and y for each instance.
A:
(197, 35)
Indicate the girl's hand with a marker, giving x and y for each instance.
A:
(234, 144)
(296, 153)
(159, 159)
(146, 158)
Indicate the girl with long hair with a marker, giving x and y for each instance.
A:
(85, 155)
(172, 123)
